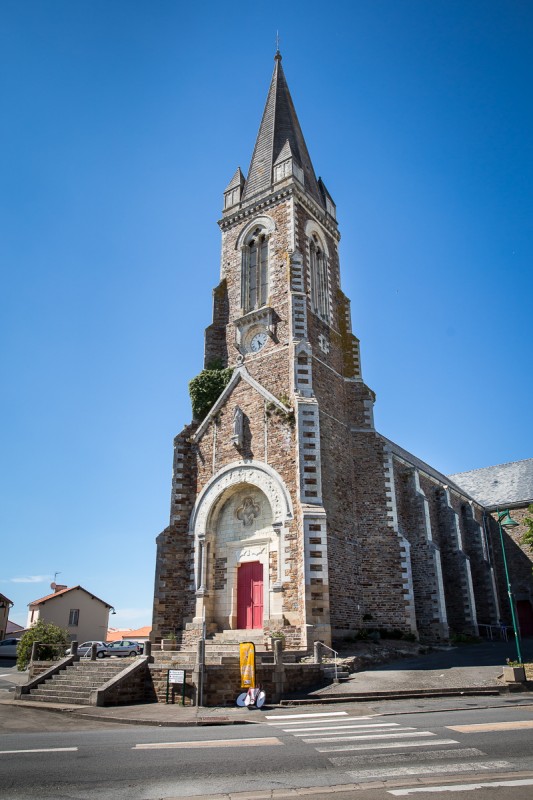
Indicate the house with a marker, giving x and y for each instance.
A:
(136, 634)
(15, 630)
(5, 605)
(75, 609)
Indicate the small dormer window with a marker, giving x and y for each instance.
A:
(254, 283)
(319, 278)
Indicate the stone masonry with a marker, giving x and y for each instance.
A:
(289, 511)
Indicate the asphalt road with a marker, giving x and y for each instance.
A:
(385, 754)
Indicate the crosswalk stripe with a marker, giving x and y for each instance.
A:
(369, 736)
(426, 769)
(458, 787)
(396, 758)
(264, 742)
(384, 745)
(364, 734)
(343, 726)
(301, 716)
(316, 721)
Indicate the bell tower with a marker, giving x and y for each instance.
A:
(281, 494)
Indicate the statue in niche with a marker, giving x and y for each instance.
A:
(238, 426)
(248, 512)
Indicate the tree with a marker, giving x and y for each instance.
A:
(527, 537)
(46, 633)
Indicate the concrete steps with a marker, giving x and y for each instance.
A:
(342, 674)
(75, 684)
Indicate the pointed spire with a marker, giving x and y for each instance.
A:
(279, 133)
(233, 191)
(237, 180)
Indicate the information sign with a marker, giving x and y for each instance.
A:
(176, 676)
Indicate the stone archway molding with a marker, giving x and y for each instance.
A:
(255, 473)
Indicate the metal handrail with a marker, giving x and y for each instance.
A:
(331, 650)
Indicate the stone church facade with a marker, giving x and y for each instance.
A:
(289, 511)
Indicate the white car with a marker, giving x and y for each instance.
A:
(84, 650)
(8, 648)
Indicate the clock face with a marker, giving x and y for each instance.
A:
(258, 341)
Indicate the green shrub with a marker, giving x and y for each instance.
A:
(206, 388)
(47, 634)
(464, 638)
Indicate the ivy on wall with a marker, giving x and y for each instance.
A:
(206, 388)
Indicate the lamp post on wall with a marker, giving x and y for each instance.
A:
(506, 521)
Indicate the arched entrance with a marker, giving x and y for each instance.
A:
(238, 525)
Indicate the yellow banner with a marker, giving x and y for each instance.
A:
(247, 663)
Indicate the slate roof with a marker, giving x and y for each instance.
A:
(64, 591)
(501, 485)
(279, 125)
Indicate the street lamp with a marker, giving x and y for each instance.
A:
(506, 521)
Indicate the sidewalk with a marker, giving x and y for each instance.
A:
(468, 670)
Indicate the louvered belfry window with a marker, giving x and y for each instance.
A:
(255, 271)
(319, 278)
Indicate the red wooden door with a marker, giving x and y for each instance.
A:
(525, 617)
(250, 595)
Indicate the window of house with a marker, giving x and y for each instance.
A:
(255, 271)
(319, 278)
(73, 616)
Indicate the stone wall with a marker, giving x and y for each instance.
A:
(222, 683)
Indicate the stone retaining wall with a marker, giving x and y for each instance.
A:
(222, 682)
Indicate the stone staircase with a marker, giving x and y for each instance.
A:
(235, 637)
(76, 683)
(343, 674)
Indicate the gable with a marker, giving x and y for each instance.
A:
(240, 374)
(62, 593)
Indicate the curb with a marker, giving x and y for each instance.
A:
(415, 694)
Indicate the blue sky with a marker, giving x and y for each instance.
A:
(122, 124)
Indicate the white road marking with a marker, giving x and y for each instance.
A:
(41, 750)
(264, 742)
(461, 787)
(384, 745)
(396, 758)
(318, 721)
(307, 716)
(368, 736)
(310, 732)
(427, 769)
(345, 725)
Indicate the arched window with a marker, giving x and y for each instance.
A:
(319, 278)
(254, 284)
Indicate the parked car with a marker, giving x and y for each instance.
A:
(125, 647)
(85, 649)
(8, 648)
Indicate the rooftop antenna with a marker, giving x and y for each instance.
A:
(53, 584)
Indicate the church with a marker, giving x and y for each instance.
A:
(291, 516)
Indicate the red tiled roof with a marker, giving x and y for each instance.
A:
(64, 591)
(115, 634)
